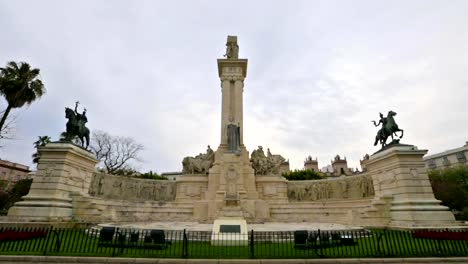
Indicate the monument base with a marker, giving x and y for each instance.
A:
(63, 169)
(399, 175)
(230, 231)
(34, 213)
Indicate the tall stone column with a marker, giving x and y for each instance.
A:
(63, 169)
(232, 74)
(231, 190)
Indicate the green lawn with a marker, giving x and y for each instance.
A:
(376, 243)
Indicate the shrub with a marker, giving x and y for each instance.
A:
(4, 198)
(302, 175)
(7, 199)
(151, 175)
(450, 185)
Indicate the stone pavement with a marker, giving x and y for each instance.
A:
(194, 226)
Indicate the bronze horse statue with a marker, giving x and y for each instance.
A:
(389, 128)
(76, 127)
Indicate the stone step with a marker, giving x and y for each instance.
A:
(319, 206)
(232, 213)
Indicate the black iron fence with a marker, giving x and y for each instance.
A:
(112, 241)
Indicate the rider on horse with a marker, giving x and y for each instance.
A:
(383, 121)
(81, 118)
(389, 128)
(76, 126)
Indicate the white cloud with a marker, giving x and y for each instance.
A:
(318, 73)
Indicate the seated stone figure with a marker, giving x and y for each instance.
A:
(198, 164)
(264, 165)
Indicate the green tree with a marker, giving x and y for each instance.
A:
(20, 86)
(450, 185)
(42, 141)
(20, 189)
(151, 175)
(302, 175)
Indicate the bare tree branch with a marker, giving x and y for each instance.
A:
(115, 153)
(9, 128)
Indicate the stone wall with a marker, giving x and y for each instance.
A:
(134, 189)
(346, 187)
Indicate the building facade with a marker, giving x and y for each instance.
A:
(11, 172)
(449, 158)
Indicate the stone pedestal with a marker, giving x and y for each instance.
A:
(399, 175)
(64, 169)
(229, 231)
(231, 186)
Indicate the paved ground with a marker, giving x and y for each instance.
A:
(194, 226)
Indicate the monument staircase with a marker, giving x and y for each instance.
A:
(330, 211)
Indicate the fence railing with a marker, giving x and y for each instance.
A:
(111, 241)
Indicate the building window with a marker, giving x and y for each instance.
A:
(461, 156)
(431, 164)
(445, 161)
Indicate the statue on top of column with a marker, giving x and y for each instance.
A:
(232, 49)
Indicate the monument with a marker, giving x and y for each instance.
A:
(231, 180)
(63, 170)
(400, 177)
(228, 188)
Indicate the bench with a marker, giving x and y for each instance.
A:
(305, 240)
(111, 237)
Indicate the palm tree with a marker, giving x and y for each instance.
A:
(42, 141)
(19, 85)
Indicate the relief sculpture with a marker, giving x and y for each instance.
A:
(127, 188)
(352, 187)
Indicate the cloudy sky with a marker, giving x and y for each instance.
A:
(318, 73)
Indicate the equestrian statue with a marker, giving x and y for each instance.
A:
(389, 128)
(76, 126)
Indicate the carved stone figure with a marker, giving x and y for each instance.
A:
(389, 128)
(232, 49)
(198, 164)
(233, 133)
(264, 165)
(231, 182)
(344, 189)
(76, 126)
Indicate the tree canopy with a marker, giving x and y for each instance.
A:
(450, 185)
(19, 85)
(302, 175)
(42, 141)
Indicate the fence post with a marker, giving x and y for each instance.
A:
(252, 253)
(320, 245)
(57, 243)
(184, 245)
(47, 240)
